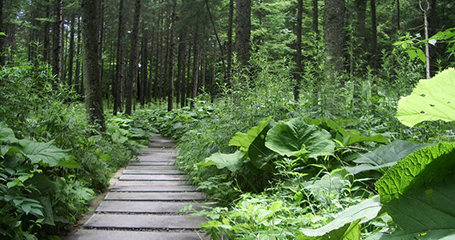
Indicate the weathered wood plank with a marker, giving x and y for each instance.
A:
(93, 234)
(144, 207)
(144, 221)
(155, 196)
(155, 177)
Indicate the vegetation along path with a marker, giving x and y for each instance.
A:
(145, 202)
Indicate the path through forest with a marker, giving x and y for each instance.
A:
(144, 203)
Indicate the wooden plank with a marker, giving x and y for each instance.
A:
(155, 196)
(156, 177)
(145, 207)
(154, 188)
(151, 168)
(94, 234)
(144, 221)
(152, 172)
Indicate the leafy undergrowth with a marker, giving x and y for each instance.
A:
(286, 173)
(52, 163)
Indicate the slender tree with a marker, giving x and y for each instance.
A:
(334, 34)
(374, 36)
(298, 51)
(58, 28)
(132, 73)
(91, 65)
(243, 31)
(315, 17)
(2, 38)
(170, 100)
(118, 85)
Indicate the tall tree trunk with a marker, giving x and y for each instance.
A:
(118, 84)
(2, 38)
(360, 8)
(315, 17)
(230, 43)
(170, 95)
(58, 28)
(133, 60)
(182, 67)
(46, 44)
(374, 36)
(196, 60)
(71, 50)
(243, 31)
(398, 16)
(92, 84)
(144, 68)
(425, 8)
(298, 51)
(334, 34)
(78, 62)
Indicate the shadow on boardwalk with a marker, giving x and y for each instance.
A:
(144, 202)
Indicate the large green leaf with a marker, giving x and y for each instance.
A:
(296, 138)
(46, 154)
(244, 140)
(431, 100)
(362, 212)
(384, 156)
(350, 231)
(419, 192)
(258, 153)
(7, 134)
(231, 161)
(346, 136)
(446, 234)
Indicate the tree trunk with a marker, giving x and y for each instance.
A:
(2, 38)
(78, 62)
(298, 51)
(92, 85)
(398, 16)
(425, 8)
(181, 67)
(315, 17)
(196, 59)
(133, 60)
(71, 50)
(374, 36)
(334, 34)
(360, 8)
(243, 31)
(58, 28)
(144, 68)
(46, 44)
(170, 95)
(229, 43)
(120, 76)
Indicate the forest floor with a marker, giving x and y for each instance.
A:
(145, 200)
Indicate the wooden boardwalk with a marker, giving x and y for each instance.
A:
(144, 203)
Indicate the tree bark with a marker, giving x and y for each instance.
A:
(334, 34)
(230, 43)
(119, 83)
(71, 50)
(144, 68)
(92, 84)
(133, 60)
(374, 36)
(170, 95)
(243, 31)
(58, 28)
(298, 51)
(315, 17)
(196, 60)
(2, 38)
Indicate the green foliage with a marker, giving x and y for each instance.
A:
(431, 100)
(296, 138)
(384, 156)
